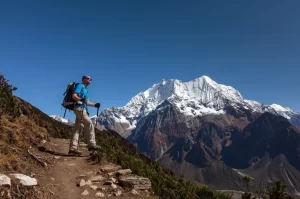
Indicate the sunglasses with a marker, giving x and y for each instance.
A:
(89, 79)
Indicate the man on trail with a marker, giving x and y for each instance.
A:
(80, 95)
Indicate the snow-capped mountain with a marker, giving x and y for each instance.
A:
(201, 96)
(202, 129)
(63, 120)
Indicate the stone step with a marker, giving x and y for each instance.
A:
(134, 181)
(110, 168)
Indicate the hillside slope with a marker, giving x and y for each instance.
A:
(24, 126)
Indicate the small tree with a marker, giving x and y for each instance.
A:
(278, 191)
(261, 193)
(7, 102)
(5, 86)
(247, 180)
(247, 195)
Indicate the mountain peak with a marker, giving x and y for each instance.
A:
(163, 82)
(208, 79)
(198, 97)
(202, 94)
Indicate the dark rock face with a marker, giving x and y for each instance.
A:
(205, 149)
(159, 130)
(268, 134)
(166, 128)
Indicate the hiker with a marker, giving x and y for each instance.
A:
(80, 95)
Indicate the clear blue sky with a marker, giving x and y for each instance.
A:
(127, 46)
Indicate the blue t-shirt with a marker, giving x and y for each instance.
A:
(81, 94)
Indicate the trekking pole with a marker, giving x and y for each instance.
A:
(97, 116)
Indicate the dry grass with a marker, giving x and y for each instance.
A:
(20, 132)
(16, 136)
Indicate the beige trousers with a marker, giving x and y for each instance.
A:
(82, 122)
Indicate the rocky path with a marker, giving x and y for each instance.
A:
(79, 178)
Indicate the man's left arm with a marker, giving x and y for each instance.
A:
(97, 105)
(90, 103)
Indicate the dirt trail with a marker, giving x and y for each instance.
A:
(61, 180)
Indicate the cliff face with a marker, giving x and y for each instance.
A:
(268, 134)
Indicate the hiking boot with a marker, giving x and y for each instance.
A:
(75, 152)
(93, 148)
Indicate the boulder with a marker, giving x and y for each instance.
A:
(134, 181)
(82, 183)
(118, 193)
(99, 194)
(4, 180)
(134, 192)
(24, 179)
(89, 182)
(114, 186)
(85, 193)
(94, 187)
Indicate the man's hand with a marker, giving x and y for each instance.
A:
(83, 99)
(97, 105)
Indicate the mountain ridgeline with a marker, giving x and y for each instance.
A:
(211, 135)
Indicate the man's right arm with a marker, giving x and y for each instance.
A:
(76, 91)
(75, 97)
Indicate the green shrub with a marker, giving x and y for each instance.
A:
(164, 182)
(7, 101)
(273, 192)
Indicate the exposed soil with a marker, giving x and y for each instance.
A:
(61, 178)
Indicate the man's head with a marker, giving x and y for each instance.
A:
(86, 80)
